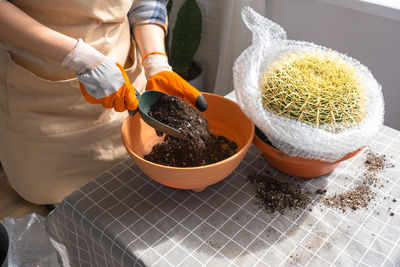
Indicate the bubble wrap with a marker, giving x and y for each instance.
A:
(269, 43)
(29, 242)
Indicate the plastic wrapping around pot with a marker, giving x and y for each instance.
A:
(29, 244)
(293, 137)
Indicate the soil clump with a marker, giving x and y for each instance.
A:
(376, 163)
(199, 149)
(356, 198)
(275, 195)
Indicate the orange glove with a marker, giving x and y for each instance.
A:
(120, 100)
(162, 78)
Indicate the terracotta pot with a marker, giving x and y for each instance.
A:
(198, 82)
(224, 118)
(297, 166)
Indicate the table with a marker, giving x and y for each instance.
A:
(123, 218)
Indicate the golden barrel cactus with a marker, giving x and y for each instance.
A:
(316, 87)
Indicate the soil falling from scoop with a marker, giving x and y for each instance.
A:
(201, 148)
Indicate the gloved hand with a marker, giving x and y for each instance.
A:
(101, 80)
(160, 77)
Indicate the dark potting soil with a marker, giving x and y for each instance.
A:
(177, 114)
(262, 136)
(201, 148)
(275, 195)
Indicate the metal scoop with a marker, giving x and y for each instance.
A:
(146, 100)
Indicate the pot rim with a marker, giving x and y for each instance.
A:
(284, 156)
(237, 154)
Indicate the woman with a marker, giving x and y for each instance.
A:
(61, 81)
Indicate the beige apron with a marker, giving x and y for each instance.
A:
(51, 140)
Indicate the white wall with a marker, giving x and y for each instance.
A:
(235, 37)
(368, 33)
(368, 36)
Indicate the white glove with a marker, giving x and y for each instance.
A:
(155, 63)
(98, 74)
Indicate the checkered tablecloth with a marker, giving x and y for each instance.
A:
(123, 218)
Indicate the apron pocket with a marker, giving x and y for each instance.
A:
(40, 106)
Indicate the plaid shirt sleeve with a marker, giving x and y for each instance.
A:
(148, 12)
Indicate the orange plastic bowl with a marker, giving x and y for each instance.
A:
(297, 166)
(224, 118)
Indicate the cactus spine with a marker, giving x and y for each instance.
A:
(315, 87)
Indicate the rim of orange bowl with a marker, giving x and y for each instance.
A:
(248, 143)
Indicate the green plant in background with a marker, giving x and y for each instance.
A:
(315, 87)
(166, 40)
(185, 37)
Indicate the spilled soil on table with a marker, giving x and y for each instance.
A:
(199, 149)
(278, 196)
(361, 194)
(274, 195)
